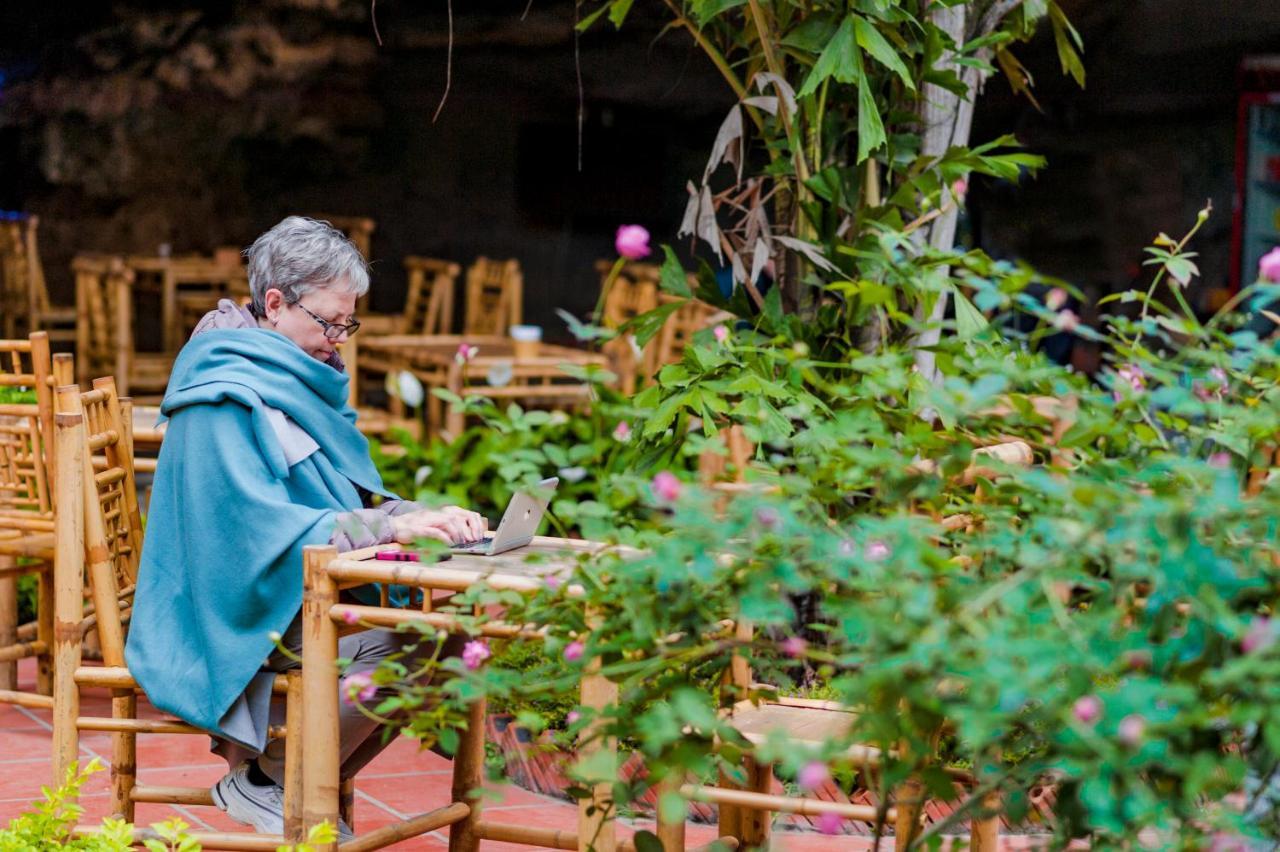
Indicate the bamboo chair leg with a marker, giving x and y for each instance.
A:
(729, 822)
(908, 800)
(671, 831)
(597, 829)
(293, 774)
(984, 832)
(44, 632)
(68, 592)
(124, 755)
(8, 623)
(320, 685)
(756, 823)
(347, 802)
(468, 778)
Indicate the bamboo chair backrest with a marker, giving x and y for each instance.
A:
(358, 229)
(633, 292)
(428, 309)
(206, 281)
(495, 297)
(24, 295)
(104, 300)
(26, 429)
(112, 519)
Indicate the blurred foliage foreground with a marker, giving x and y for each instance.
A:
(1099, 620)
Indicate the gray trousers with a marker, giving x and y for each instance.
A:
(360, 738)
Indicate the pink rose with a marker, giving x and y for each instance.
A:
(830, 823)
(622, 432)
(350, 617)
(666, 487)
(1131, 375)
(1066, 320)
(1132, 727)
(1087, 710)
(1055, 298)
(359, 686)
(721, 333)
(573, 717)
(474, 653)
(1220, 460)
(574, 651)
(812, 775)
(877, 551)
(767, 517)
(552, 582)
(465, 352)
(632, 242)
(1260, 635)
(960, 188)
(1269, 266)
(794, 647)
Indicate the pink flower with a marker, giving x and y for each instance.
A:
(794, 647)
(1055, 298)
(573, 717)
(812, 775)
(1132, 727)
(552, 582)
(666, 487)
(1087, 710)
(622, 432)
(767, 517)
(1260, 635)
(1132, 375)
(721, 333)
(960, 188)
(830, 823)
(1220, 460)
(632, 242)
(574, 651)
(465, 352)
(474, 653)
(350, 617)
(1066, 320)
(359, 686)
(1269, 266)
(877, 551)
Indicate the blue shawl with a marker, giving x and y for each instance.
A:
(221, 564)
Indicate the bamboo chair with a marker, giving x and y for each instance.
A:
(358, 229)
(27, 292)
(428, 307)
(26, 513)
(634, 292)
(104, 331)
(196, 285)
(495, 297)
(372, 422)
(99, 534)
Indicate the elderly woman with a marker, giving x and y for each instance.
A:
(262, 458)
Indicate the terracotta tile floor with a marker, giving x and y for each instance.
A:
(401, 782)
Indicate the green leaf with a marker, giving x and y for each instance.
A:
(870, 127)
(647, 841)
(618, 10)
(705, 10)
(838, 60)
(1063, 34)
(671, 276)
(870, 39)
(585, 24)
(647, 325)
(969, 320)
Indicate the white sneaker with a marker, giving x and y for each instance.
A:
(248, 803)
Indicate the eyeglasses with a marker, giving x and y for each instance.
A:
(332, 330)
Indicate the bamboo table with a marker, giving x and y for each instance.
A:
(496, 371)
(325, 574)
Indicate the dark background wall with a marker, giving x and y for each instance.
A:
(200, 124)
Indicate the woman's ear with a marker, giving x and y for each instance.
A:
(272, 304)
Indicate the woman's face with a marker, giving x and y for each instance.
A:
(332, 303)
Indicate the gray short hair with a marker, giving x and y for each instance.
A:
(300, 255)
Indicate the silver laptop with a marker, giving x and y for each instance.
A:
(519, 523)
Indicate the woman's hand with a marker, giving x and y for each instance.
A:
(451, 524)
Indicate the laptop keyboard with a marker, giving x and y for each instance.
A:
(478, 544)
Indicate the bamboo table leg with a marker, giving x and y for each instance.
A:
(468, 778)
(44, 631)
(68, 593)
(8, 623)
(320, 685)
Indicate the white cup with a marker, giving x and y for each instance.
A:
(526, 338)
